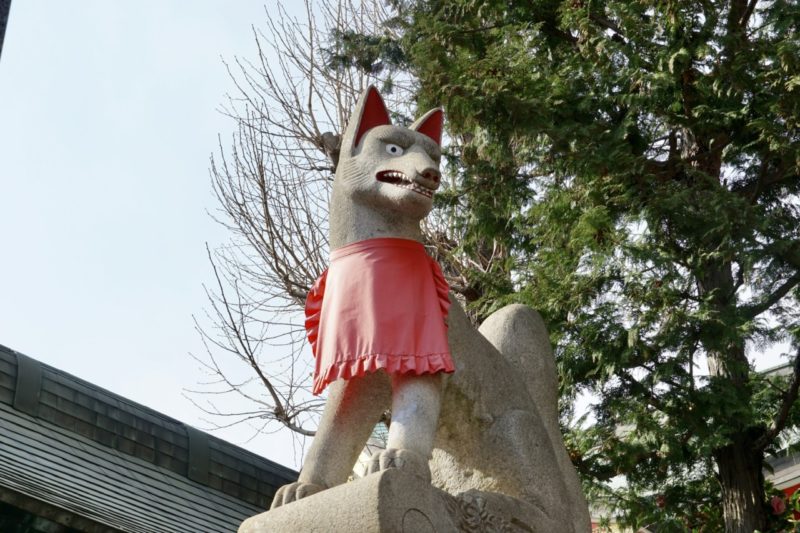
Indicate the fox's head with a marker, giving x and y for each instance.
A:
(386, 176)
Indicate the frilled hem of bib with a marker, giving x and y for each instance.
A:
(391, 363)
(353, 364)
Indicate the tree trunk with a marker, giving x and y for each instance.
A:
(739, 462)
(742, 484)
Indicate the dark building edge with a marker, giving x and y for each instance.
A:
(134, 429)
(5, 7)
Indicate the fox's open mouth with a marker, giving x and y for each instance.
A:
(395, 177)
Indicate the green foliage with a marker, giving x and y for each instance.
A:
(369, 53)
(637, 163)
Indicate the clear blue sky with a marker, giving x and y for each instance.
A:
(107, 120)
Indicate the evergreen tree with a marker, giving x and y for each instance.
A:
(633, 168)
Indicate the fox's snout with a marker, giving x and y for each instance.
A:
(431, 174)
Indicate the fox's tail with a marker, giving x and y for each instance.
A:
(519, 333)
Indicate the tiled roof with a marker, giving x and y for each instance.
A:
(75, 446)
(784, 471)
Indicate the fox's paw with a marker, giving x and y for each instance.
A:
(293, 492)
(411, 462)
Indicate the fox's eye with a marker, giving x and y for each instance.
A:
(393, 149)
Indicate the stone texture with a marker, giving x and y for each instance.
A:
(499, 461)
(499, 454)
(519, 333)
(363, 207)
(395, 501)
(492, 436)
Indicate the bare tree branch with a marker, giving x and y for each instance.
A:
(272, 183)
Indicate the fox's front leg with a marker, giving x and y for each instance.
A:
(353, 408)
(416, 403)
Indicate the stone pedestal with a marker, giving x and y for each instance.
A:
(395, 501)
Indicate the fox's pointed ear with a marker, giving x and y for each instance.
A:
(370, 111)
(430, 124)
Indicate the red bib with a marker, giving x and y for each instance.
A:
(382, 303)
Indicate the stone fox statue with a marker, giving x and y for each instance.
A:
(378, 324)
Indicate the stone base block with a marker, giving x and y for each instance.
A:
(394, 501)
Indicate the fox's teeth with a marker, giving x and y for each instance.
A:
(404, 182)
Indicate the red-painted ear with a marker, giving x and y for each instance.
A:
(430, 124)
(374, 114)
